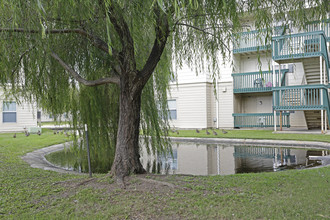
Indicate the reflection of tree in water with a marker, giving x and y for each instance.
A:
(164, 164)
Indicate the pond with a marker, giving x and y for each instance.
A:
(210, 159)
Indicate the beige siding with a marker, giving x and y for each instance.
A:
(226, 106)
(26, 116)
(192, 105)
(256, 104)
(297, 77)
(297, 119)
(250, 63)
(188, 75)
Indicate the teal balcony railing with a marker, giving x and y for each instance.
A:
(303, 45)
(257, 81)
(303, 97)
(250, 41)
(262, 120)
(255, 40)
(319, 26)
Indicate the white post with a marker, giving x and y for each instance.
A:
(274, 94)
(321, 95)
(325, 113)
(217, 100)
(326, 122)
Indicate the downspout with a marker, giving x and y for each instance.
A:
(217, 101)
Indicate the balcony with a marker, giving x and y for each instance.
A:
(319, 26)
(260, 120)
(304, 97)
(302, 45)
(253, 41)
(257, 81)
(250, 42)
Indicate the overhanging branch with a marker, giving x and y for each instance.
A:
(114, 79)
(96, 41)
(204, 31)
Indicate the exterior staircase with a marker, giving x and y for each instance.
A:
(313, 119)
(312, 75)
(312, 70)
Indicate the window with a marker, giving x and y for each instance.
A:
(286, 66)
(172, 109)
(9, 112)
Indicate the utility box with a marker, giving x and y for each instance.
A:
(34, 130)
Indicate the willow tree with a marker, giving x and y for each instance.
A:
(54, 50)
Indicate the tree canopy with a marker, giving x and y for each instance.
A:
(103, 61)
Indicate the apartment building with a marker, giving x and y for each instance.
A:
(286, 78)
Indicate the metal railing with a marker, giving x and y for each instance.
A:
(262, 120)
(256, 81)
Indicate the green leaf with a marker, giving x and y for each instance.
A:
(161, 5)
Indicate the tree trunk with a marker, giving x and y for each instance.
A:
(127, 156)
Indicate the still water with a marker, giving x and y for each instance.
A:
(210, 159)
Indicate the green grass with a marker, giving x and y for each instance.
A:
(29, 193)
(252, 134)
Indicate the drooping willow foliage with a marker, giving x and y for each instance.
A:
(84, 34)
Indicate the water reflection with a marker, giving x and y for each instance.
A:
(208, 159)
(199, 159)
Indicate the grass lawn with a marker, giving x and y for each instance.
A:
(29, 193)
(252, 134)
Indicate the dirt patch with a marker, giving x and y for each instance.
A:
(141, 183)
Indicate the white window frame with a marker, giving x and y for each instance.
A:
(4, 103)
(170, 109)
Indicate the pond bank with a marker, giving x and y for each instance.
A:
(37, 159)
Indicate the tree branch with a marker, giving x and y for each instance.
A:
(96, 41)
(114, 79)
(21, 57)
(125, 38)
(162, 33)
(203, 30)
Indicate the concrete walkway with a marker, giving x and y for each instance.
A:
(37, 158)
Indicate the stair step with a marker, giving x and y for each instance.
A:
(312, 76)
(312, 73)
(310, 68)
